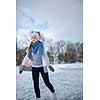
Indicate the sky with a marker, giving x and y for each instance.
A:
(56, 19)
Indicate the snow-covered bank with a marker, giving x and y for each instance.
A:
(72, 66)
(67, 80)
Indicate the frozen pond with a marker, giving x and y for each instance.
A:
(67, 80)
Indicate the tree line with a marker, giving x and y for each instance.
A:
(58, 52)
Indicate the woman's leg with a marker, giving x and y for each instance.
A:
(35, 76)
(45, 77)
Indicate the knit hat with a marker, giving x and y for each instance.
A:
(36, 35)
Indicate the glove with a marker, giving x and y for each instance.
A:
(21, 69)
(20, 72)
(51, 68)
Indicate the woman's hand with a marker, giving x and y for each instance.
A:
(51, 68)
(21, 69)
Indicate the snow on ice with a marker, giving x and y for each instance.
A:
(67, 80)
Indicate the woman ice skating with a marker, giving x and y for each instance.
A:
(36, 54)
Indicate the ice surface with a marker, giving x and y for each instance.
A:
(67, 81)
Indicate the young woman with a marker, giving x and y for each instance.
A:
(36, 54)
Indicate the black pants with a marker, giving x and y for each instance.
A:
(45, 76)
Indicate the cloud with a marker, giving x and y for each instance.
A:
(57, 19)
(25, 20)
